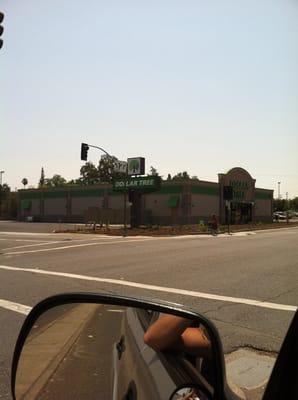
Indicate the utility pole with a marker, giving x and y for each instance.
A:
(279, 190)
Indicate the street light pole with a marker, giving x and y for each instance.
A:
(279, 190)
(1, 173)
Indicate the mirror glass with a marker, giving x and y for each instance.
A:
(96, 351)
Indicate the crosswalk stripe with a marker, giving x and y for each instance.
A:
(17, 307)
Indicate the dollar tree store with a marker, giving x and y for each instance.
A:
(150, 200)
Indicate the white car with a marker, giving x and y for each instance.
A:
(279, 215)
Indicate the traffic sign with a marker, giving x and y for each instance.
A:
(120, 166)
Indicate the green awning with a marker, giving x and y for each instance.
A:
(26, 204)
(173, 201)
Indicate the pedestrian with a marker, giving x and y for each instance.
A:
(213, 223)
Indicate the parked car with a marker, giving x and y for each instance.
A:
(279, 215)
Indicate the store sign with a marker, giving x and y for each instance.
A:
(242, 184)
(136, 166)
(240, 189)
(120, 166)
(144, 183)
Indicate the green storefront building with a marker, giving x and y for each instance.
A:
(151, 201)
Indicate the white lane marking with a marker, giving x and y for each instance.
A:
(116, 311)
(208, 296)
(76, 245)
(44, 243)
(34, 245)
(26, 240)
(27, 233)
(20, 308)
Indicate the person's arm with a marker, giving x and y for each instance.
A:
(165, 332)
(194, 341)
(175, 333)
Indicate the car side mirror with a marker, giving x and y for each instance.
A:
(102, 346)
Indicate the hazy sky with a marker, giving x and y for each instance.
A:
(199, 85)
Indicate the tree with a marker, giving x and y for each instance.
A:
(104, 173)
(42, 178)
(56, 181)
(294, 204)
(77, 181)
(107, 169)
(284, 205)
(25, 182)
(89, 174)
(153, 171)
(169, 177)
(279, 205)
(4, 191)
(181, 176)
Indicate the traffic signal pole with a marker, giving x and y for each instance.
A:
(84, 153)
(100, 148)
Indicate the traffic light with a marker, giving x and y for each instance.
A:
(1, 28)
(84, 151)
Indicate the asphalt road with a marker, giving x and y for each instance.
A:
(246, 283)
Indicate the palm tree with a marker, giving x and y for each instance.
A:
(25, 182)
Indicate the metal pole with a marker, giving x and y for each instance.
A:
(287, 207)
(100, 148)
(229, 217)
(279, 190)
(1, 173)
(125, 202)
(125, 188)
